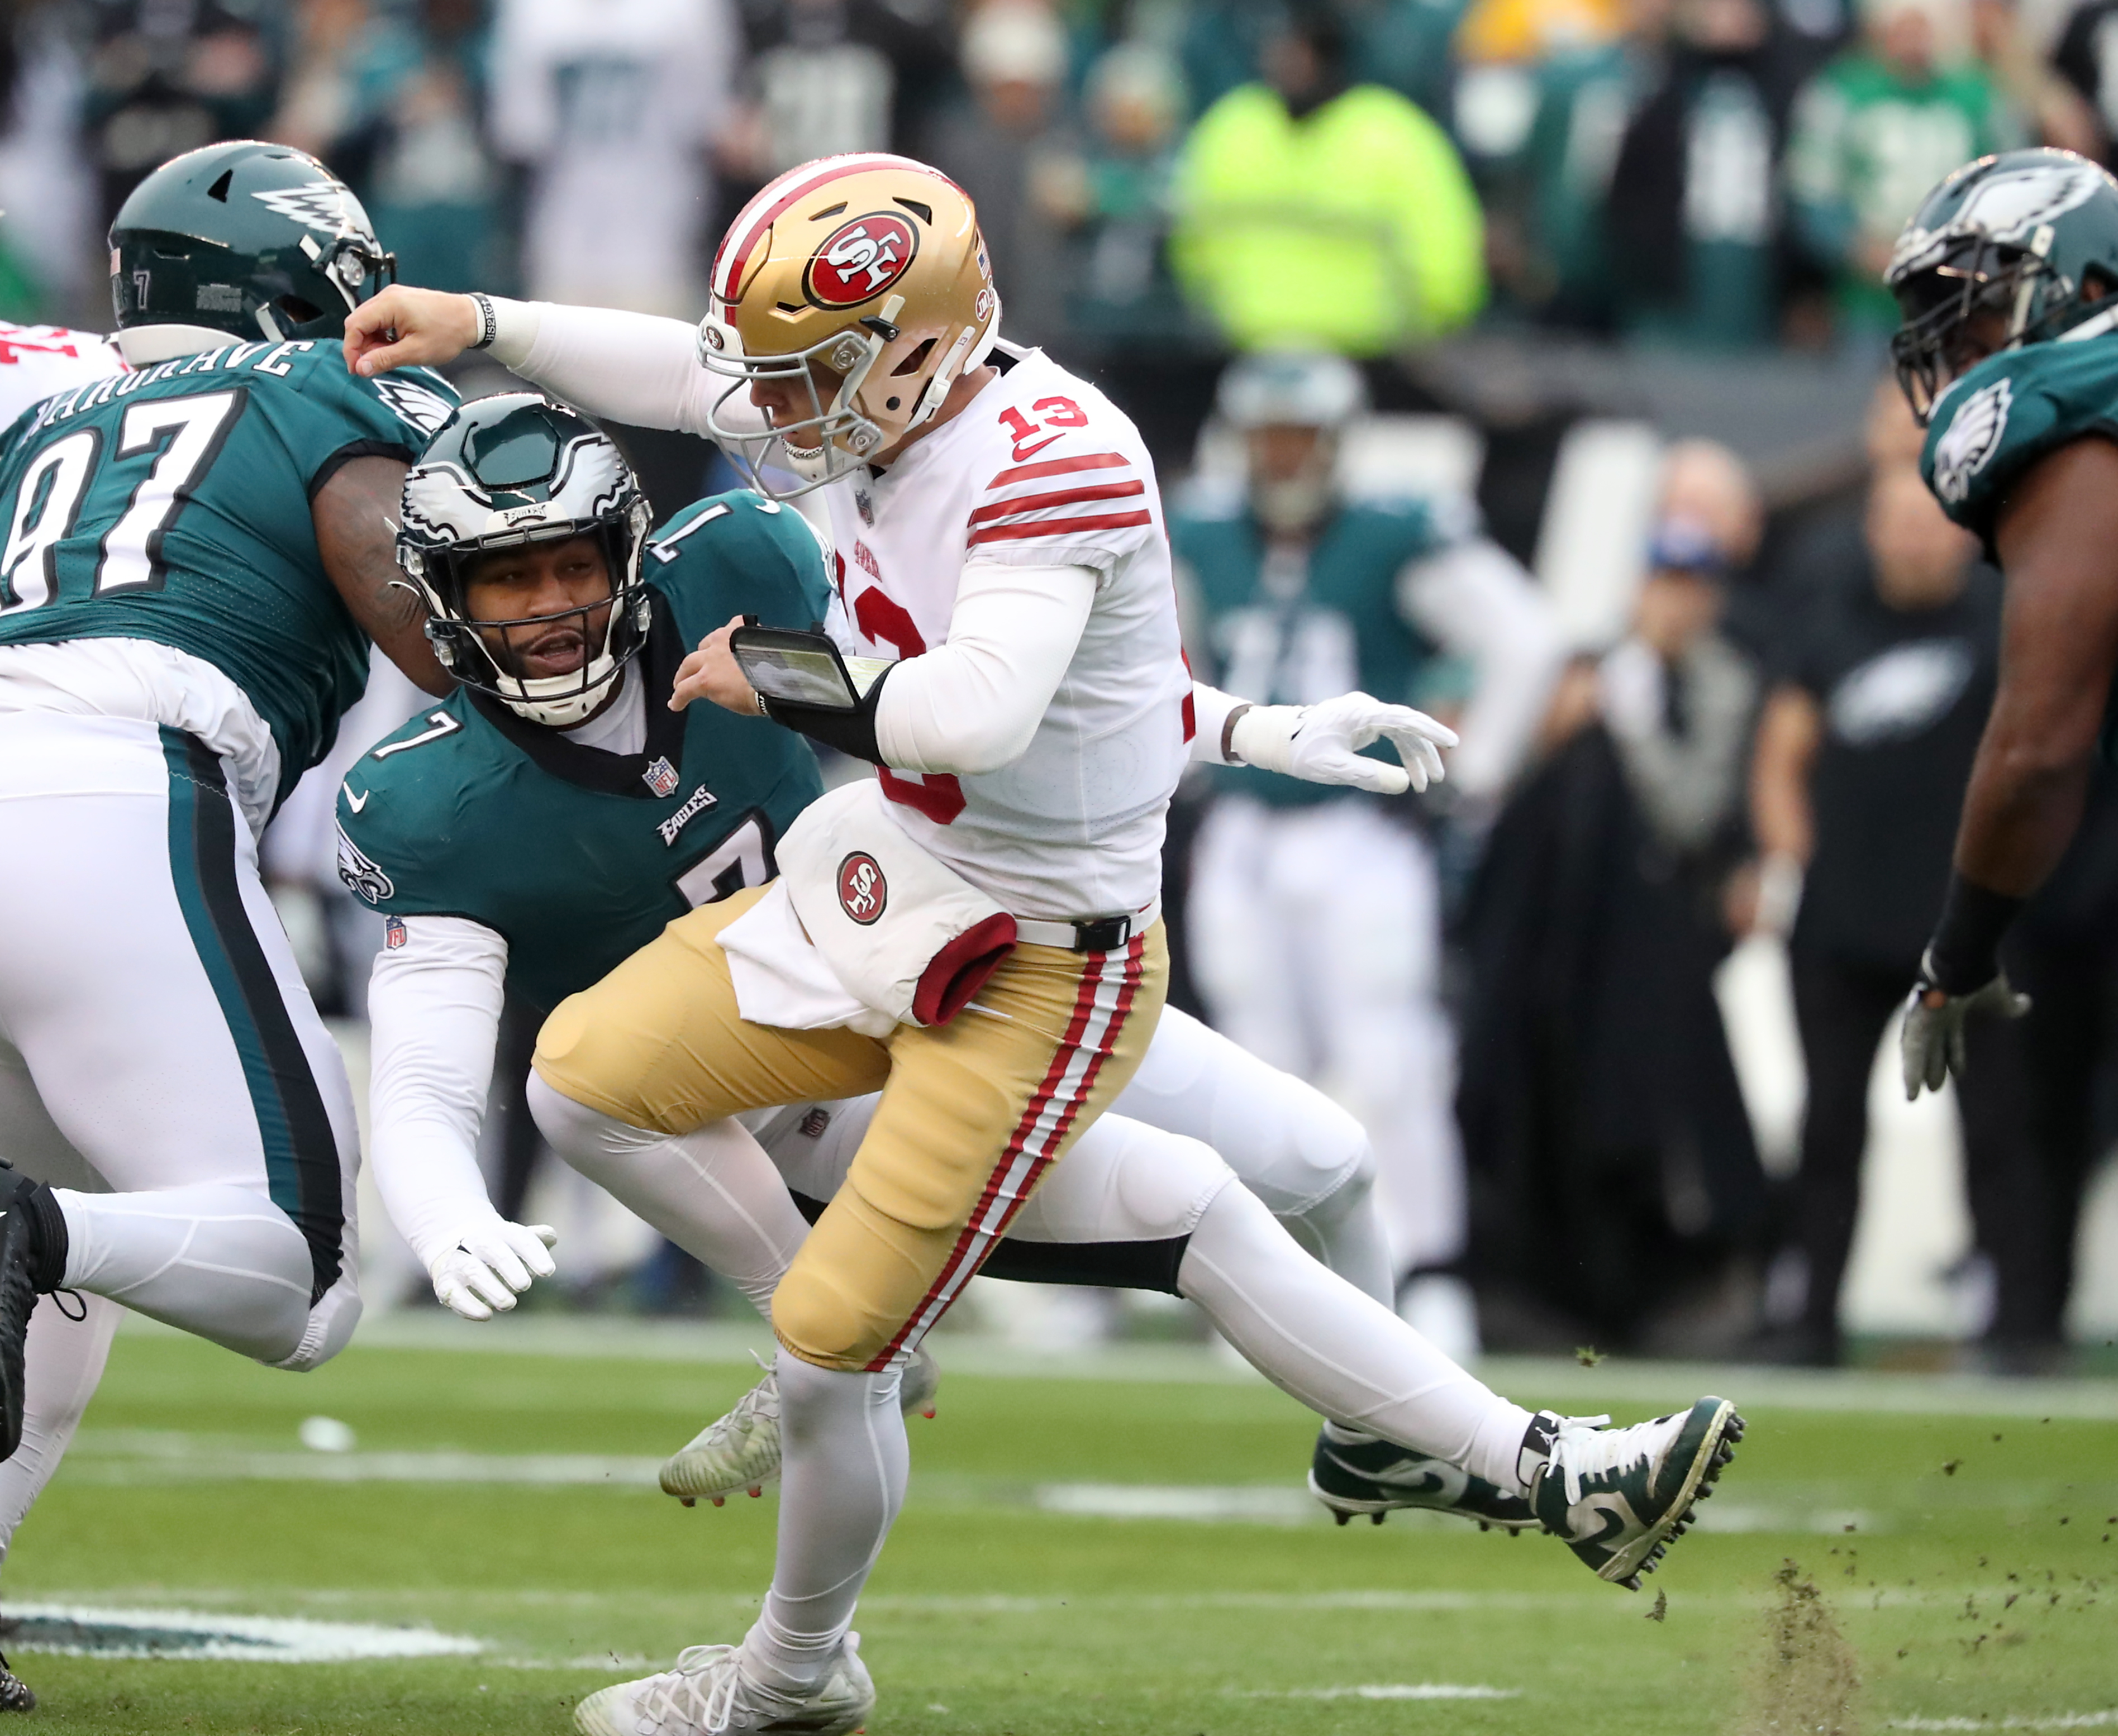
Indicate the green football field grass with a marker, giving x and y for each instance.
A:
(1969, 1560)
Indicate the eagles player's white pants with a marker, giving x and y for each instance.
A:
(65, 1353)
(1317, 941)
(156, 1008)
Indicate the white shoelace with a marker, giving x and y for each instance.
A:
(1586, 1446)
(698, 1695)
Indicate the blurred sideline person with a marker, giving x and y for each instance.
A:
(198, 558)
(1316, 210)
(997, 545)
(1614, 1174)
(1865, 742)
(1315, 913)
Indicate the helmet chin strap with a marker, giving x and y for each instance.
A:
(561, 701)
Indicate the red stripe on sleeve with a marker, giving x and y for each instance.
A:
(1056, 527)
(1059, 467)
(1022, 503)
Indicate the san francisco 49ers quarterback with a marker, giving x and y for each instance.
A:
(975, 932)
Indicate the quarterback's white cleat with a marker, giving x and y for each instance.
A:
(1619, 1497)
(739, 1453)
(707, 1694)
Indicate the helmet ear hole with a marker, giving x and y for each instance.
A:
(912, 363)
(298, 312)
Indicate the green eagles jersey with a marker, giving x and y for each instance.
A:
(172, 503)
(2000, 418)
(576, 858)
(1289, 631)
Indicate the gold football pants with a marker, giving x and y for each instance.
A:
(973, 1113)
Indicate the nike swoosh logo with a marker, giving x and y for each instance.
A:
(1021, 451)
(355, 802)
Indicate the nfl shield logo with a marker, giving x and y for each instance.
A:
(393, 935)
(661, 777)
(815, 1122)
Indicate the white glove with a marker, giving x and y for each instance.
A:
(1320, 743)
(1931, 1045)
(490, 1265)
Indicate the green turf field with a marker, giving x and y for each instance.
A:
(499, 1498)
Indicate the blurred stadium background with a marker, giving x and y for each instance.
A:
(1607, 269)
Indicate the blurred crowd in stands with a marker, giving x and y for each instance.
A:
(1513, 261)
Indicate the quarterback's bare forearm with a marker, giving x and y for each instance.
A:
(2058, 543)
(355, 516)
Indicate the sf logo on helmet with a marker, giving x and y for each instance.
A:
(860, 261)
(861, 888)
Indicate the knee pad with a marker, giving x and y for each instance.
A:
(594, 1063)
(816, 1319)
(1339, 1156)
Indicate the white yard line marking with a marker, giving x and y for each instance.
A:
(78, 1630)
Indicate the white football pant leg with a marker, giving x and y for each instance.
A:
(150, 989)
(713, 1192)
(1315, 936)
(62, 1364)
(1308, 1159)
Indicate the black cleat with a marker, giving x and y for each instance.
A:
(30, 1225)
(14, 1694)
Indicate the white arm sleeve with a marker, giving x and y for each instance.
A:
(434, 1008)
(1473, 599)
(973, 704)
(633, 367)
(1210, 708)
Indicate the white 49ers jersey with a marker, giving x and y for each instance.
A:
(36, 361)
(1040, 469)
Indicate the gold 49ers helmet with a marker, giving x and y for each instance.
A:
(863, 279)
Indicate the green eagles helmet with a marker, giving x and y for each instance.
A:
(501, 471)
(245, 238)
(2009, 250)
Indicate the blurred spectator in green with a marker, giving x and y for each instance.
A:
(1693, 222)
(832, 75)
(1116, 198)
(1585, 97)
(1009, 148)
(166, 76)
(1311, 210)
(46, 190)
(412, 142)
(1523, 63)
(1874, 131)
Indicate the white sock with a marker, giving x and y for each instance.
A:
(1341, 1353)
(713, 1193)
(844, 1462)
(220, 1261)
(62, 1363)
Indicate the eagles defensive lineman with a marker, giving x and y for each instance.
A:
(198, 551)
(554, 814)
(2008, 352)
(66, 1352)
(995, 526)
